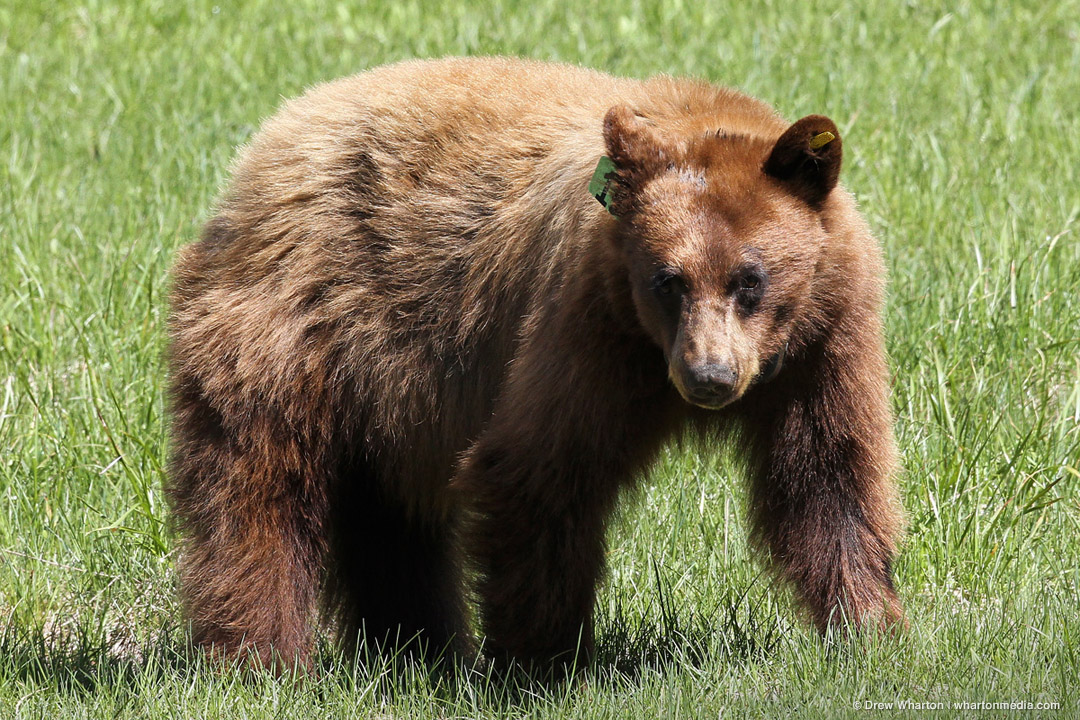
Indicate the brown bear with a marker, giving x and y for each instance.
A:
(412, 356)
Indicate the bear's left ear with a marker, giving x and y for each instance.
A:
(806, 159)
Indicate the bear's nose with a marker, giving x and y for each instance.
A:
(712, 380)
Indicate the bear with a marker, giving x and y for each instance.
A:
(414, 363)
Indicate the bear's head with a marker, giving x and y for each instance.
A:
(722, 236)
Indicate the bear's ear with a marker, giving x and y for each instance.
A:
(637, 153)
(632, 144)
(806, 159)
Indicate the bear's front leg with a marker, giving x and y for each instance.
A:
(824, 500)
(577, 422)
(537, 541)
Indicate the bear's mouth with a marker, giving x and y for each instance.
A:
(710, 400)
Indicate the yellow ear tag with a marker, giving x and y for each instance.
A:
(821, 140)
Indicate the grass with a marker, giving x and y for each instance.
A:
(962, 135)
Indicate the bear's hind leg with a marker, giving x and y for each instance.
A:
(252, 526)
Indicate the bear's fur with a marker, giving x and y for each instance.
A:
(410, 343)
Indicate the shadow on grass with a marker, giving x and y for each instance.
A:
(629, 645)
(79, 661)
(662, 639)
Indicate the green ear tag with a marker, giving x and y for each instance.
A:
(601, 180)
(821, 140)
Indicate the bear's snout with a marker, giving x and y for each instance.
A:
(711, 384)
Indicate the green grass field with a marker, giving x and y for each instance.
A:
(962, 142)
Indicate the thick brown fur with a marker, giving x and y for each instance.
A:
(410, 342)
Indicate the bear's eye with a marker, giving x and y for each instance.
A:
(749, 287)
(667, 283)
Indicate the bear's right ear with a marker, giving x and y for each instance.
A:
(806, 159)
(636, 151)
(631, 143)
